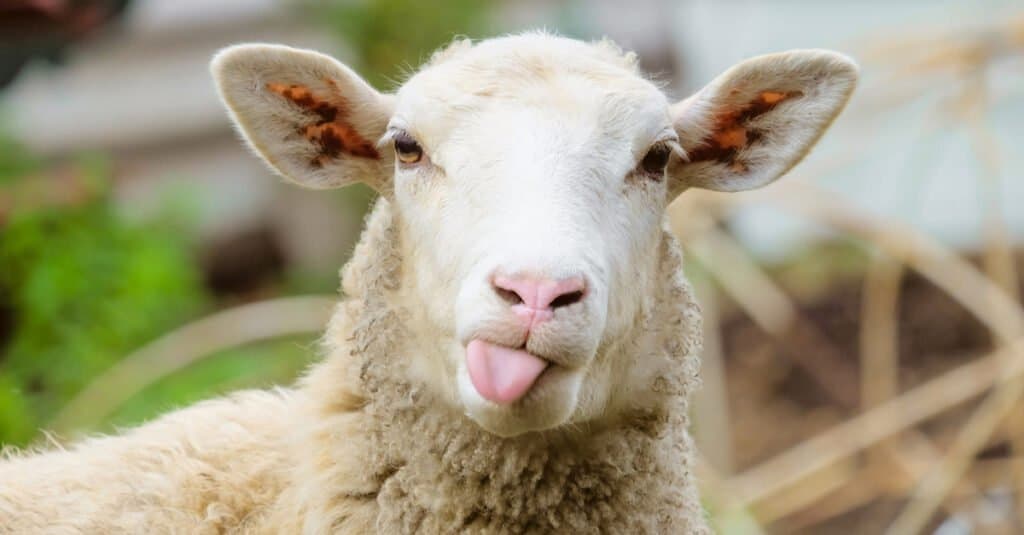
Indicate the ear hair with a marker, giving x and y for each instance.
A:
(313, 120)
(760, 118)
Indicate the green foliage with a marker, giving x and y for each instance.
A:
(389, 33)
(14, 161)
(80, 288)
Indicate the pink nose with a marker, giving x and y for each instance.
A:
(539, 294)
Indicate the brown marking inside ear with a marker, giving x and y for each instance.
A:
(733, 138)
(731, 133)
(332, 133)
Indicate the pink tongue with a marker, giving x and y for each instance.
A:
(500, 374)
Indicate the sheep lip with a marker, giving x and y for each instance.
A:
(552, 362)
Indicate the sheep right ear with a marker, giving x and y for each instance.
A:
(313, 120)
(756, 121)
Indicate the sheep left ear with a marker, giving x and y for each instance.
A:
(756, 121)
(311, 119)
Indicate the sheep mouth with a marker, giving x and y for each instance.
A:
(502, 374)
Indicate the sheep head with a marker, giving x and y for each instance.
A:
(529, 177)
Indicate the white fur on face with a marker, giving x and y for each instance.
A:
(531, 145)
(537, 179)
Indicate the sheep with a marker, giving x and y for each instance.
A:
(517, 341)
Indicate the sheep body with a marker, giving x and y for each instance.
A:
(357, 447)
(203, 469)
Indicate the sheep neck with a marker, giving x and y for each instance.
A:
(428, 467)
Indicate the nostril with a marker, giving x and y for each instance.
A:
(514, 290)
(509, 296)
(539, 293)
(565, 300)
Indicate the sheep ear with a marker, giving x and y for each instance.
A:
(756, 121)
(311, 119)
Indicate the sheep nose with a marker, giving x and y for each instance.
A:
(540, 294)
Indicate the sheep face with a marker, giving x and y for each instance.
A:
(532, 197)
(529, 177)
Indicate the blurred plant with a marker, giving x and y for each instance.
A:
(79, 287)
(389, 33)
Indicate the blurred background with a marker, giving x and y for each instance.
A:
(864, 362)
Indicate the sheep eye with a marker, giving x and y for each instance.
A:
(407, 149)
(655, 160)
